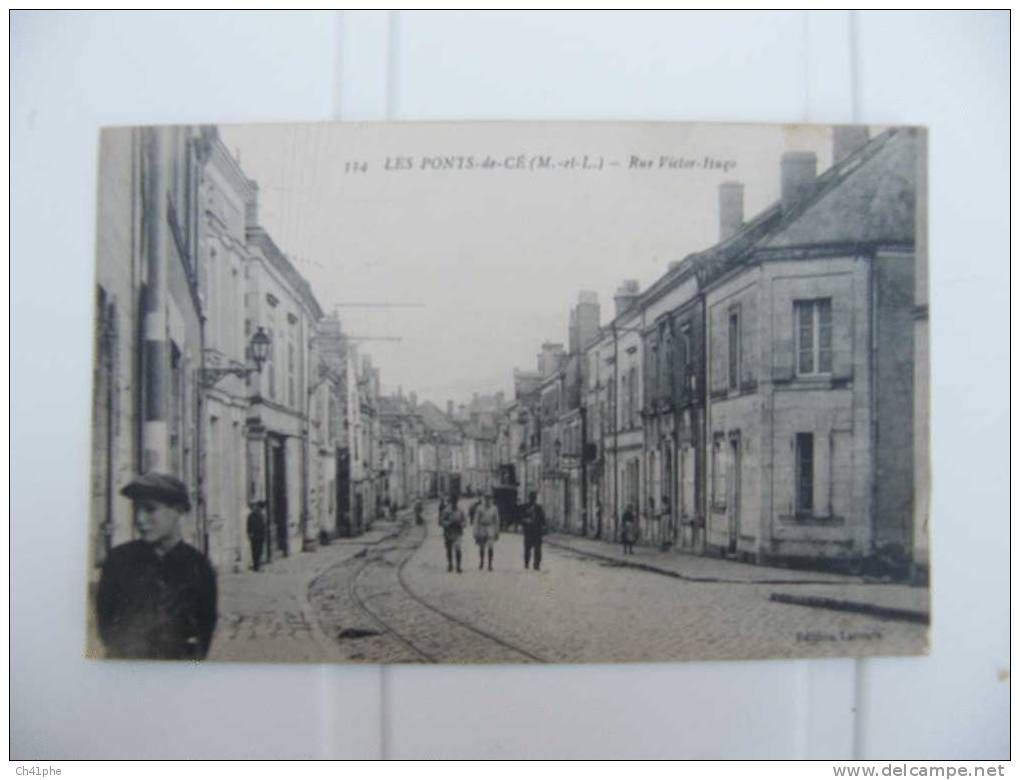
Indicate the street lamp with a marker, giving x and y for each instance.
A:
(259, 349)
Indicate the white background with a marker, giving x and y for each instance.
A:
(72, 73)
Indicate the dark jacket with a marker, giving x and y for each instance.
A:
(156, 607)
(453, 523)
(256, 525)
(533, 523)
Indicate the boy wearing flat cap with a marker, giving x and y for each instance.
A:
(157, 595)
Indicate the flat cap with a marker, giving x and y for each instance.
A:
(155, 486)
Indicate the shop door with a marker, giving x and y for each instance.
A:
(276, 491)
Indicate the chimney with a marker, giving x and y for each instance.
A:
(731, 208)
(449, 409)
(798, 174)
(847, 139)
(626, 294)
(500, 400)
(550, 358)
(413, 398)
(584, 319)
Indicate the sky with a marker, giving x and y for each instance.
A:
(485, 260)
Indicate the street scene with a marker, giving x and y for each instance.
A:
(392, 600)
(334, 421)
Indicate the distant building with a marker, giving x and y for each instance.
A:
(439, 453)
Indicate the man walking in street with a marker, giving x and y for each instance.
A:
(256, 533)
(629, 531)
(486, 530)
(452, 522)
(533, 525)
(157, 595)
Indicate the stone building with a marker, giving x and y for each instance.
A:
(674, 409)
(525, 433)
(148, 331)
(332, 358)
(765, 398)
(367, 455)
(810, 334)
(399, 434)
(614, 389)
(326, 439)
(478, 445)
(438, 445)
(186, 277)
(222, 271)
(280, 301)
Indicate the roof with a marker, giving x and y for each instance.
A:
(390, 405)
(258, 236)
(434, 419)
(866, 199)
(478, 430)
(871, 202)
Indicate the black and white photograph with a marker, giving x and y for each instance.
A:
(509, 392)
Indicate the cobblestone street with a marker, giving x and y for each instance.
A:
(388, 598)
(266, 615)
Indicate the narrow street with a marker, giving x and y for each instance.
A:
(388, 598)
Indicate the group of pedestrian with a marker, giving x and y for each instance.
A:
(484, 516)
(157, 595)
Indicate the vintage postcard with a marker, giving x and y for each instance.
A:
(509, 393)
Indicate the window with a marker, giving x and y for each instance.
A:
(734, 349)
(633, 390)
(814, 336)
(805, 473)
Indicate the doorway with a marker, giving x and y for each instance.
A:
(276, 492)
(343, 493)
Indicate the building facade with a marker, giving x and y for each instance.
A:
(764, 399)
(281, 302)
(186, 277)
(222, 272)
(148, 329)
(811, 371)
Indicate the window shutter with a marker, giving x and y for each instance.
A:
(782, 342)
(749, 330)
(718, 349)
(842, 337)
